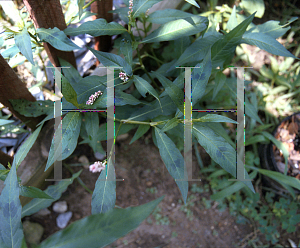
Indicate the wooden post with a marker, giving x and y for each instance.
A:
(101, 8)
(48, 14)
(11, 87)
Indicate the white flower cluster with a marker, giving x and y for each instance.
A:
(97, 166)
(93, 97)
(123, 76)
(130, 8)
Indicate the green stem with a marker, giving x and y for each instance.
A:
(87, 5)
(79, 180)
(44, 68)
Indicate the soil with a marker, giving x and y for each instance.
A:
(142, 168)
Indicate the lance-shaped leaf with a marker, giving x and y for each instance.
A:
(109, 59)
(33, 192)
(198, 49)
(220, 81)
(54, 191)
(173, 160)
(143, 87)
(26, 146)
(254, 5)
(56, 38)
(200, 77)
(142, 129)
(218, 149)
(96, 28)
(167, 15)
(193, 2)
(104, 195)
(68, 92)
(80, 4)
(173, 91)
(177, 29)
(141, 6)
(267, 43)
(223, 50)
(11, 230)
(273, 29)
(92, 129)
(232, 22)
(70, 130)
(23, 42)
(99, 230)
(216, 118)
(71, 74)
(126, 50)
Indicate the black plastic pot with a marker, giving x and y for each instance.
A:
(268, 162)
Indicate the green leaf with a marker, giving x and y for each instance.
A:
(143, 87)
(92, 128)
(250, 111)
(232, 22)
(71, 74)
(142, 129)
(26, 146)
(220, 81)
(223, 50)
(56, 38)
(273, 29)
(100, 230)
(197, 50)
(33, 192)
(279, 177)
(173, 160)
(84, 88)
(32, 109)
(80, 4)
(96, 28)
(122, 99)
(218, 149)
(200, 77)
(216, 118)
(54, 191)
(170, 124)
(178, 28)
(255, 139)
(69, 129)
(5, 122)
(193, 2)
(231, 189)
(126, 50)
(23, 42)
(154, 109)
(11, 230)
(68, 92)
(280, 146)
(10, 52)
(267, 43)
(109, 59)
(172, 90)
(141, 6)
(104, 195)
(167, 15)
(251, 6)
(4, 172)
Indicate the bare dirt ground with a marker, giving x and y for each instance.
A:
(146, 178)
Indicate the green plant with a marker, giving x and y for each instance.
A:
(182, 39)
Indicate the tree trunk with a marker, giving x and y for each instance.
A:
(11, 87)
(101, 8)
(48, 14)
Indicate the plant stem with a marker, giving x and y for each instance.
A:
(87, 5)
(79, 180)
(44, 68)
